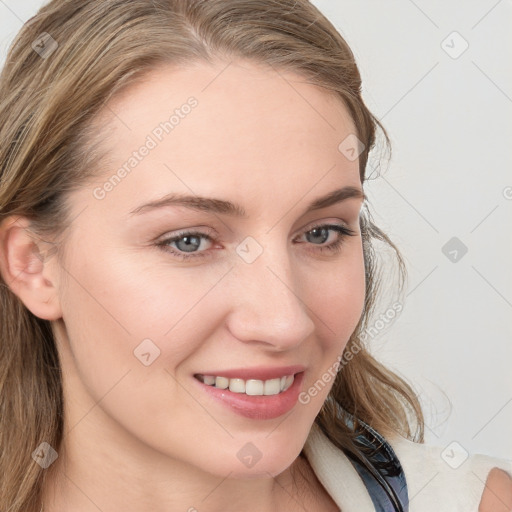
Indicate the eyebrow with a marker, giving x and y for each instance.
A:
(220, 206)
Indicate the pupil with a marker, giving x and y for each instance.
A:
(189, 247)
(315, 232)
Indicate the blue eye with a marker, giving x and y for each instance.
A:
(191, 240)
(187, 242)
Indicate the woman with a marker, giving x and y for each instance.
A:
(188, 268)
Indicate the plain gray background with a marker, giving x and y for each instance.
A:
(438, 76)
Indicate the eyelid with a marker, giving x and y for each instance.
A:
(323, 222)
(201, 230)
(205, 230)
(342, 229)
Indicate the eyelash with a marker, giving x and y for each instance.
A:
(333, 248)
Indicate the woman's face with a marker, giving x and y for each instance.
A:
(260, 296)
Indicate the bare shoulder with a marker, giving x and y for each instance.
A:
(497, 495)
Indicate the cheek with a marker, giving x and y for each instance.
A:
(120, 316)
(337, 304)
(128, 299)
(110, 312)
(338, 296)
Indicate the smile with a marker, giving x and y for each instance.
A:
(253, 387)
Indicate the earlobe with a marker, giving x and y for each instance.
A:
(28, 269)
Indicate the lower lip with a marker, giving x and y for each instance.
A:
(264, 407)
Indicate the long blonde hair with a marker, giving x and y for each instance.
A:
(64, 65)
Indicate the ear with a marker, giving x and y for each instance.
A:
(29, 268)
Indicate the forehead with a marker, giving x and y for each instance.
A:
(232, 126)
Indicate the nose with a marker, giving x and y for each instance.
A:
(268, 303)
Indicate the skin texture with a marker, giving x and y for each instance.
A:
(497, 495)
(147, 437)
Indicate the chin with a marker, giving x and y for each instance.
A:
(259, 471)
(269, 462)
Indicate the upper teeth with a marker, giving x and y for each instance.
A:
(251, 386)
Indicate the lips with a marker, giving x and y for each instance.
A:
(260, 407)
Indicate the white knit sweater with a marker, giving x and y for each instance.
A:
(433, 485)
